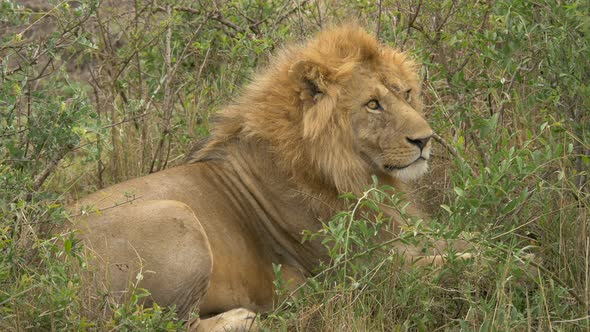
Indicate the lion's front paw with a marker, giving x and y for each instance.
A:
(235, 320)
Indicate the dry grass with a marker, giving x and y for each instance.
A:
(94, 93)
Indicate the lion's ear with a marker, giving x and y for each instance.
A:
(318, 96)
(311, 77)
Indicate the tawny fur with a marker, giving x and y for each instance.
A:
(318, 122)
(311, 143)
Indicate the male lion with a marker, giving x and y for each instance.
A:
(318, 122)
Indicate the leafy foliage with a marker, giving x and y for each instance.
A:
(95, 92)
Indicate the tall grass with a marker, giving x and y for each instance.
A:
(95, 92)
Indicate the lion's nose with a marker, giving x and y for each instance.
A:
(419, 142)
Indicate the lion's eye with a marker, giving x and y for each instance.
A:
(374, 106)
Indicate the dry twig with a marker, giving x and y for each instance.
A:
(454, 152)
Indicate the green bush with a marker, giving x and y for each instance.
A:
(95, 92)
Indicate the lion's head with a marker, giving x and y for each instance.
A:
(333, 112)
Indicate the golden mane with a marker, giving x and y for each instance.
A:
(311, 141)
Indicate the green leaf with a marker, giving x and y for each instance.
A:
(446, 208)
(68, 246)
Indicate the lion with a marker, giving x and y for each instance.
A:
(322, 119)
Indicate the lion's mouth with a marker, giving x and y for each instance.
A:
(391, 168)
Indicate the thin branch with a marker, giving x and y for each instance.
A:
(12, 133)
(125, 120)
(509, 88)
(317, 4)
(454, 152)
(168, 77)
(379, 19)
(42, 17)
(49, 168)
(217, 16)
(40, 179)
(551, 275)
(287, 14)
(115, 205)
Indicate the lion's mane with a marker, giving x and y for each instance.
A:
(311, 142)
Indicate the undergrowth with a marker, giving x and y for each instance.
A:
(96, 92)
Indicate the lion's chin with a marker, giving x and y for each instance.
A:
(411, 172)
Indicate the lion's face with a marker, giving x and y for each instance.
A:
(335, 111)
(361, 103)
(389, 132)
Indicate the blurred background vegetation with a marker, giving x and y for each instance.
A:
(96, 92)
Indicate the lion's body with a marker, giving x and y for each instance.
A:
(318, 122)
(242, 224)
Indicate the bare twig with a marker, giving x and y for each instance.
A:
(219, 18)
(15, 132)
(319, 20)
(42, 17)
(44, 174)
(167, 97)
(509, 88)
(125, 120)
(216, 15)
(40, 179)
(379, 19)
(296, 8)
(454, 152)
(412, 25)
(115, 205)
(168, 103)
(551, 275)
